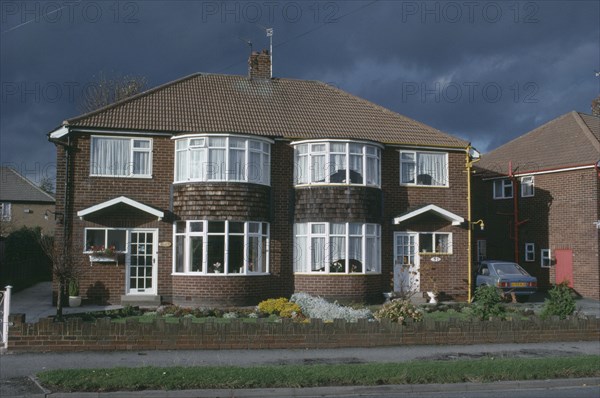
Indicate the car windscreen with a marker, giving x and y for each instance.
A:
(509, 269)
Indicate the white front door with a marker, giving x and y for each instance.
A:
(406, 263)
(141, 262)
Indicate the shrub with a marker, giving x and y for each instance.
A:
(280, 306)
(560, 303)
(399, 310)
(488, 302)
(319, 308)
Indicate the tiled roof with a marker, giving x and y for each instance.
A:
(16, 188)
(295, 109)
(569, 140)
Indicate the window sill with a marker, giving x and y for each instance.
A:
(220, 181)
(218, 274)
(140, 177)
(423, 186)
(333, 184)
(336, 273)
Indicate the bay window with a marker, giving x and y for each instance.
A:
(221, 247)
(345, 248)
(222, 158)
(337, 162)
(424, 168)
(120, 157)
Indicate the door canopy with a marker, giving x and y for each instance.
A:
(438, 211)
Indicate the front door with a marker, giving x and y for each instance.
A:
(564, 266)
(406, 263)
(141, 262)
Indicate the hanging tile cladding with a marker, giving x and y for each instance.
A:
(338, 204)
(222, 201)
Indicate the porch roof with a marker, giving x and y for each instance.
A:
(121, 200)
(445, 214)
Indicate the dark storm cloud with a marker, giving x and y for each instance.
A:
(484, 70)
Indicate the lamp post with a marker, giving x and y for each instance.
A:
(471, 156)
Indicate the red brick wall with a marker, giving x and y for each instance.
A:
(106, 282)
(103, 335)
(561, 215)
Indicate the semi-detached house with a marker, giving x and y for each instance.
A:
(221, 190)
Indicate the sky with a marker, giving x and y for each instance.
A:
(485, 71)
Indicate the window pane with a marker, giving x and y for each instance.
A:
(253, 227)
(95, 238)
(318, 254)
(372, 171)
(356, 169)
(141, 144)
(338, 229)
(179, 253)
(442, 243)
(118, 239)
(254, 254)
(408, 172)
(196, 251)
(237, 143)
(237, 165)
(301, 229)
(318, 168)
(355, 254)
(356, 148)
(110, 156)
(337, 253)
(264, 254)
(235, 259)
(318, 228)
(355, 229)
(431, 169)
(255, 145)
(371, 255)
(337, 166)
(302, 169)
(236, 227)
(300, 252)
(216, 226)
(255, 168)
(216, 164)
(216, 142)
(181, 168)
(181, 144)
(425, 243)
(216, 254)
(197, 142)
(141, 163)
(197, 163)
(180, 227)
(196, 226)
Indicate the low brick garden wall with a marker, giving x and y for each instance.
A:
(104, 335)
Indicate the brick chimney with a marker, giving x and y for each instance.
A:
(596, 106)
(259, 65)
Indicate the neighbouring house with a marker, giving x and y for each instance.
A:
(539, 196)
(226, 190)
(23, 204)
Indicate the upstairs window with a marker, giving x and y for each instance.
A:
(121, 157)
(337, 162)
(527, 187)
(222, 158)
(546, 258)
(424, 168)
(503, 189)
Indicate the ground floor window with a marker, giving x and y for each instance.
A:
(435, 242)
(221, 247)
(348, 248)
(100, 239)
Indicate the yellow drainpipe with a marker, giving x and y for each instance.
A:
(469, 165)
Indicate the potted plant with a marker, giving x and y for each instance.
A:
(74, 297)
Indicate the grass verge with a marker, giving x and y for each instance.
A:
(415, 372)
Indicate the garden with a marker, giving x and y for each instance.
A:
(301, 307)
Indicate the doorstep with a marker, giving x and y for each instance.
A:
(141, 300)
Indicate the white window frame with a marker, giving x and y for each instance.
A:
(529, 252)
(303, 255)
(527, 187)
(306, 151)
(415, 164)
(433, 240)
(85, 231)
(205, 234)
(546, 258)
(6, 211)
(253, 146)
(129, 163)
(505, 183)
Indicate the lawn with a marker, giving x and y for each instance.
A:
(415, 372)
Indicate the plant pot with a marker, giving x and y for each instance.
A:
(74, 301)
(388, 296)
(432, 297)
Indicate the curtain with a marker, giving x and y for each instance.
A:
(431, 169)
(337, 248)
(372, 171)
(110, 156)
(237, 164)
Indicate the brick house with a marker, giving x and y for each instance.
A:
(551, 176)
(222, 190)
